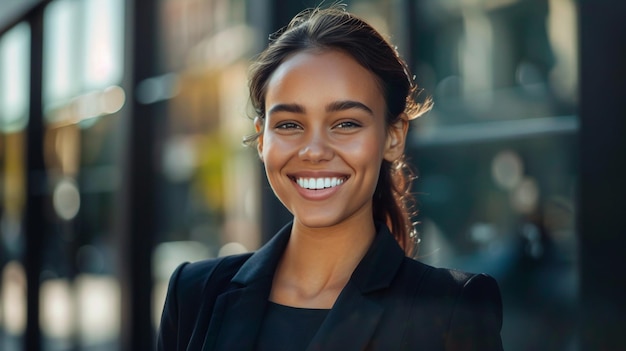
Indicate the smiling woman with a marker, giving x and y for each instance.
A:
(336, 132)
(333, 102)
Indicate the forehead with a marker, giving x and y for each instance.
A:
(328, 74)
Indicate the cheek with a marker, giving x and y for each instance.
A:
(368, 149)
(275, 152)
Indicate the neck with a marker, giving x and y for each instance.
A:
(318, 262)
(344, 241)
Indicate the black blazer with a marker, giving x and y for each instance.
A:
(391, 302)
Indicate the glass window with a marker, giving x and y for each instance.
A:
(208, 185)
(83, 68)
(14, 78)
(14, 84)
(497, 60)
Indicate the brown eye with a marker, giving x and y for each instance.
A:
(287, 125)
(347, 125)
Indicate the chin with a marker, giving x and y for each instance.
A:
(322, 221)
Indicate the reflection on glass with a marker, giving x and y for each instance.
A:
(496, 60)
(66, 199)
(87, 306)
(13, 290)
(83, 50)
(562, 24)
(507, 169)
(103, 43)
(57, 309)
(525, 196)
(14, 78)
(98, 304)
(60, 51)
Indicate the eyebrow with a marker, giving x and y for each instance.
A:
(293, 108)
(347, 105)
(335, 106)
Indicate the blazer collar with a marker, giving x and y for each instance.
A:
(239, 312)
(356, 313)
(263, 263)
(379, 265)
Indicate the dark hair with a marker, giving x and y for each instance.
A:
(335, 28)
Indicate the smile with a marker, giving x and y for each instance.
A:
(319, 183)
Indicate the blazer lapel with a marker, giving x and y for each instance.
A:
(352, 322)
(237, 319)
(239, 311)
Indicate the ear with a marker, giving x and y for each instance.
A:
(396, 139)
(258, 127)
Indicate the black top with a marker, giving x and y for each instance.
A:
(288, 328)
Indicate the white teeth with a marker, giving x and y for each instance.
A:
(319, 183)
(333, 182)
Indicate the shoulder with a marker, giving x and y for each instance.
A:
(191, 283)
(467, 306)
(449, 282)
(197, 275)
(191, 292)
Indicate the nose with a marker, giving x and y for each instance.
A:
(316, 148)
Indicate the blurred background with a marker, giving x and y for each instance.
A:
(121, 156)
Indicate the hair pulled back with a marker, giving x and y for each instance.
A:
(336, 29)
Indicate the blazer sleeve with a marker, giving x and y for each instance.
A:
(477, 316)
(169, 328)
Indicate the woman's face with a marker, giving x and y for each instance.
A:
(324, 137)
